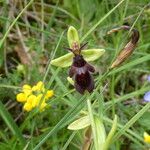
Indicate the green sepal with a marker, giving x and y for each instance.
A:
(72, 36)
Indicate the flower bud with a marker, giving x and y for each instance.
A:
(128, 49)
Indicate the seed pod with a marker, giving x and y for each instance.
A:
(128, 49)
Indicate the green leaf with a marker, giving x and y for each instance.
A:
(66, 60)
(80, 123)
(111, 134)
(100, 133)
(93, 124)
(72, 36)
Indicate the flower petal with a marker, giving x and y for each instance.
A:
(146, 137)
(31, 99)
(39, 98)
(21, 97)
(66, 60)
(28, 107)
(49, 94)
(147, 97)
(43, 106)
(40, 86)
(26, 87)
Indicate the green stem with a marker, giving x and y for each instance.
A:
(9, 86)
(92, 124)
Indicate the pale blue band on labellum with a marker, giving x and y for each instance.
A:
(147, 97)
(148, 78)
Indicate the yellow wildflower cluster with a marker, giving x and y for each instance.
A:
(146, 137)
(35, 96)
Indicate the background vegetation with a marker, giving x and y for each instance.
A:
(28, 43)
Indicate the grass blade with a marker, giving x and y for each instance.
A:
(13, 23)
(58, 126)
(100, 21)
(11, 124)
(132, 121)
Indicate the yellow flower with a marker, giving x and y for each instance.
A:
(34, 88)
(40, 86)
(21, 97)
(27, 106)
(49, 94)
(38, 99)
(43, 106)
(146, 137)
(41, 102)
(27, 89)
(32, 100)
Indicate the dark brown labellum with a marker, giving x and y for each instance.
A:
(80, 71)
